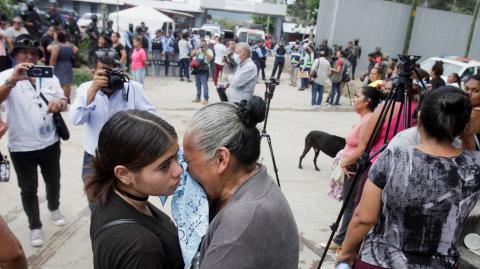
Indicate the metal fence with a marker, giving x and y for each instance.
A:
(384, 24)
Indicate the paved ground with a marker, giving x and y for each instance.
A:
(291, 118)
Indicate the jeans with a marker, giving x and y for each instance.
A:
(347, 215)
(317, 94)
(218, 69)
(184, 68)
(278, 64)
(304, 81)
(335, 93)
(202, 80)
(87, 168)
(25, 164)
(157, 59)
(139, 75)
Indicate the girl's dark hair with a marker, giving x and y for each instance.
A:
(437, 68)
(457, 79)
(138, 38)
(132, 138)
(117, 34)
(445, 112)
(374, 94)
(61, 36)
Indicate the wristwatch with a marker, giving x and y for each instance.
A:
(10, 84)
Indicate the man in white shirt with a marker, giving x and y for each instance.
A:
(319, 74)
(32, 138)
(96, 102)
(14, 31)
(220, 52)
(184, 49)
(242, 83)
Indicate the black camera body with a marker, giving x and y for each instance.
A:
(40, 71)
(116, 79)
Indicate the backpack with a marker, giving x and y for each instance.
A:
(255, 56)
(264, 51)
(346, 71)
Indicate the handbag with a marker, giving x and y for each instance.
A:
(62, 129)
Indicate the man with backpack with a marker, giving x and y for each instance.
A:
(336, 77)
(257, 56)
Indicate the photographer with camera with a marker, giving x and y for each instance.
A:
(242, 84)
(200, 68)
(110, 91)
(32, 137)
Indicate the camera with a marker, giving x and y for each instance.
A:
(116, 79)
(221, 93)
(40, 71)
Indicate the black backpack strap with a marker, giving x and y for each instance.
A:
(114, 223)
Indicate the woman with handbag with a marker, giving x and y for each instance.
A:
(365, 100)
(200, 68)
(62, 53)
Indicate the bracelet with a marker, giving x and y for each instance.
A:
(10, 84)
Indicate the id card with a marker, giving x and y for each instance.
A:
(45, 129)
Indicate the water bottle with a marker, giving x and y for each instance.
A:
(343, 265)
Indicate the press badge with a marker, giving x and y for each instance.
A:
(46, 129)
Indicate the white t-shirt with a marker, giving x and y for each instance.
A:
(184, 48)
(220, 52)
(30, 127)
(12, 33)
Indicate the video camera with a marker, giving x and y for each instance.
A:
(270, 87)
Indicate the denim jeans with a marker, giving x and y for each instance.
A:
(184, 68)
(335, 93)
(202, 80)
(317, 94)
(304, 81)
(26, 164)
(139, 75)
(278, 64)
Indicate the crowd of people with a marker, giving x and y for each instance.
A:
(410, 203)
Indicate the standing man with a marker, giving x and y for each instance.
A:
(184, 49)
(321, 67)
(108, 30)
(168, 43)
(12, 32)
(32, 20)
(220, 52)
(93, 35)
(203, 56)
(356, 53)
(45, 41)
(157, 50)
(306, 65)
(129, 44)
(229, 64)
(242, 83)
(257, 57)
(295, 57)
(96, 102)
(280, 53)
(72, 30)
(336, 78)
(53, 16)
(32, 139)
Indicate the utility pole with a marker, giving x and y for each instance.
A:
(472, 27)
(411, 22)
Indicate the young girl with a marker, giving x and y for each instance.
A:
(139, 59)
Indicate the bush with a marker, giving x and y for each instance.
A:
(81, 75)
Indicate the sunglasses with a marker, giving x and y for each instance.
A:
(27, 42)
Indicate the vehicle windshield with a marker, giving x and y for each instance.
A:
(254, 37)
(212, 29)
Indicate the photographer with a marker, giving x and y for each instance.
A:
(242, 84)
(229, 65)
(98, 100)
(32, 138)
(200, 68)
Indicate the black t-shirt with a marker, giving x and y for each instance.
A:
(437, 83)
(44, 42)
(151, 243)
(118, 48)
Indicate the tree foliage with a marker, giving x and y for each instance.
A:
(300, 10)
(6, 9)
(263, 20)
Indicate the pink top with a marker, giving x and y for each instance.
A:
(383, 133)
(354, 135)
(139, 58)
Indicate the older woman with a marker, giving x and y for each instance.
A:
(417, 197)
(365, 100)
(126, 230)
(252, 225)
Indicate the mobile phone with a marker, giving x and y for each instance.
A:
(40, 71)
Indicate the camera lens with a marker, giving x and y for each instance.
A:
(36, 71)
(115, 82)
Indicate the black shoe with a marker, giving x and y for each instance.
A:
(182, 79)
(301, 89)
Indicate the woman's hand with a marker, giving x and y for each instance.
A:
(347, 257)
(347, 172)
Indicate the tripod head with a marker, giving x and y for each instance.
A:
(270, 88)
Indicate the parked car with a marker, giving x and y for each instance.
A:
(213, 28)
(85, 20)
(200, 33)
(250, 35)
(464, 67)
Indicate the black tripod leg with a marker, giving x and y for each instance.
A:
(269, 141)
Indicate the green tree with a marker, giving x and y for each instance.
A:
(265, 21)
(226, 24)
(300, 10)
(5, 8)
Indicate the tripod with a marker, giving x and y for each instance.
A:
(269, 89)
(399, 94)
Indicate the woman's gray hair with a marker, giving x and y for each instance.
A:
(214, 126)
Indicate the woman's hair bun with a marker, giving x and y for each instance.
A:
(251, 112)
(452, 103)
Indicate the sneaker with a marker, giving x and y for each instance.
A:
(58, 218)
(182, 79)
(36, 238)
(196, 101)
(205, 102)
(189, 80)
(333, 246)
